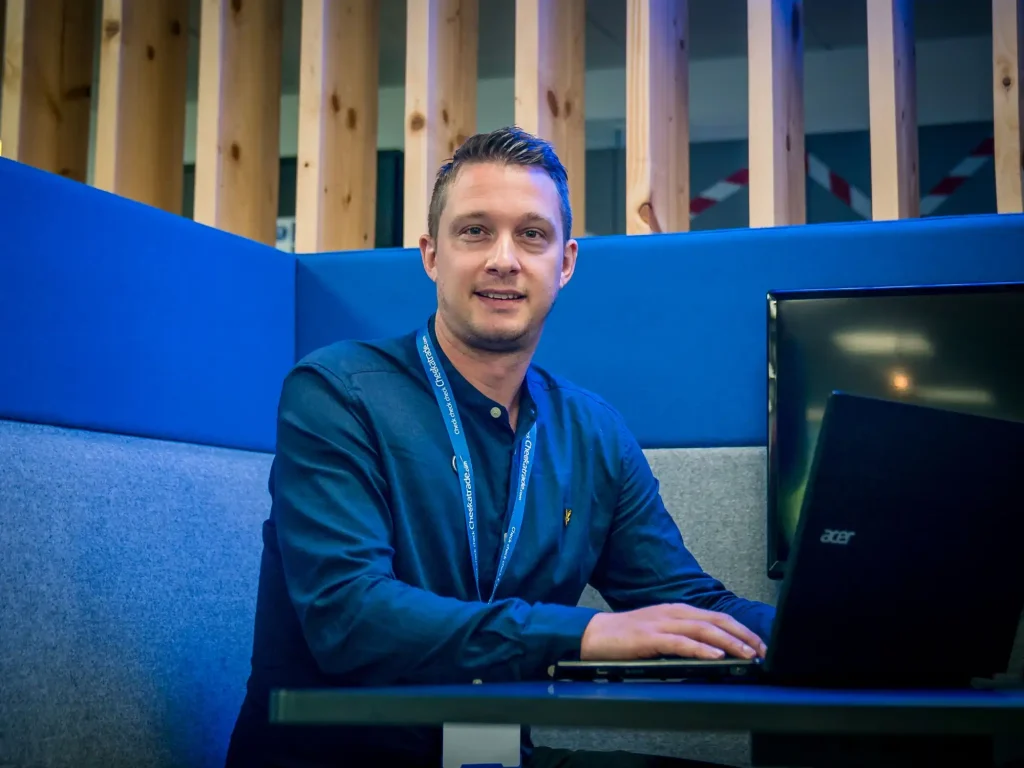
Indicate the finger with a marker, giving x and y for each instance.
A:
(724, 621)
(710, 634)
(685, 647)
(736, 629)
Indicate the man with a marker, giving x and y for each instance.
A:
(439, 503)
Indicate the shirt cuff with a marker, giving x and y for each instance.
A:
(555, 633)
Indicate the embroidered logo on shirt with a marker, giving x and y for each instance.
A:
(568, 514)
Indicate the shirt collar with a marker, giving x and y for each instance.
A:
(468, 396)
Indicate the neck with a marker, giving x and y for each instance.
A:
(498, 375)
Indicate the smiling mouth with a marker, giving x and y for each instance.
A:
(509, 296)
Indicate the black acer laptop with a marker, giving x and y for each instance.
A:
(908, 566)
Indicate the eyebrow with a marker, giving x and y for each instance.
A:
(538, 217)
(470, 215)
(529, 216)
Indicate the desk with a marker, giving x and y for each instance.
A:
(662, 706)
(870, 717)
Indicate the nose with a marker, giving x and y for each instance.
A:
(503, 259)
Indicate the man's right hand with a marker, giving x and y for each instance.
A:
(668, 630)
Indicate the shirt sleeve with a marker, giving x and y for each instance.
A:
(645, 561)
(334, 532)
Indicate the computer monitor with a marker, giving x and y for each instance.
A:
(959, 347)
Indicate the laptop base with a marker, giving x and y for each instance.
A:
(658, 671)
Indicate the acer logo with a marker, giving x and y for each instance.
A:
(831, 536)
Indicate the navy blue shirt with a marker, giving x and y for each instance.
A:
(366, 577)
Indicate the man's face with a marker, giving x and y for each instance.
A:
(499, 260)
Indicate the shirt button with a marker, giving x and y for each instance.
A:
(496, 412)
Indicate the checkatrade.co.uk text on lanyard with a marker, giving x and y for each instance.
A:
(524, 455)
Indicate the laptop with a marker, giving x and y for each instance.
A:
(908, 560)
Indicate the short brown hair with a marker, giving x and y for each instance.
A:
(513, 146)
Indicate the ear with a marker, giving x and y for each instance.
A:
(568, 262)
(428, 253)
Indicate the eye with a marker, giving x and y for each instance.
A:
(533, 233)
(473, 230)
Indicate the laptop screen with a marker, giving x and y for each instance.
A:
(956, 347)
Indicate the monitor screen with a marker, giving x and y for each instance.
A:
(955, 347)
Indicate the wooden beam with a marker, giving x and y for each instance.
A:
(238, 117)
(3, 67)
(440, 97)
(892, 89)
(657, 117)
(140, 120)
(336, 193)
(1008, 115)
(47, 84)
(550, 71)
(777, 165)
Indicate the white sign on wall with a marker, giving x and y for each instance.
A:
(286, 234)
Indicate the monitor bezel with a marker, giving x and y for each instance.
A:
(775, 566)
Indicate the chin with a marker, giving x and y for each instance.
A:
(498, 337)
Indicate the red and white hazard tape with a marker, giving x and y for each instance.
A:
(838, 186)
(816, 169)
(966, 168)
(821, 174)
(716, 193)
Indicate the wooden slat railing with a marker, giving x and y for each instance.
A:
(50, 45)
(1008, 103)
(892, 89)
(775, 52)
(140, 114)
(440, 97)
(239, 116)
(47, 84)
(336, 185)
(657, 117)
(549, 86)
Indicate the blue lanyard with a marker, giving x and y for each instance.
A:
(524, 456)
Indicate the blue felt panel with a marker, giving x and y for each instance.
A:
(671, 328)
(359, 295)
(116, 316)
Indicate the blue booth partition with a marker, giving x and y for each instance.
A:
(141, 358)
(115, 316)
(671, 329)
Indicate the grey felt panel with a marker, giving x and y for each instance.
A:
(716, 496)
(128, 580)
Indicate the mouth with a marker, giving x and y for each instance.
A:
(501, 298)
